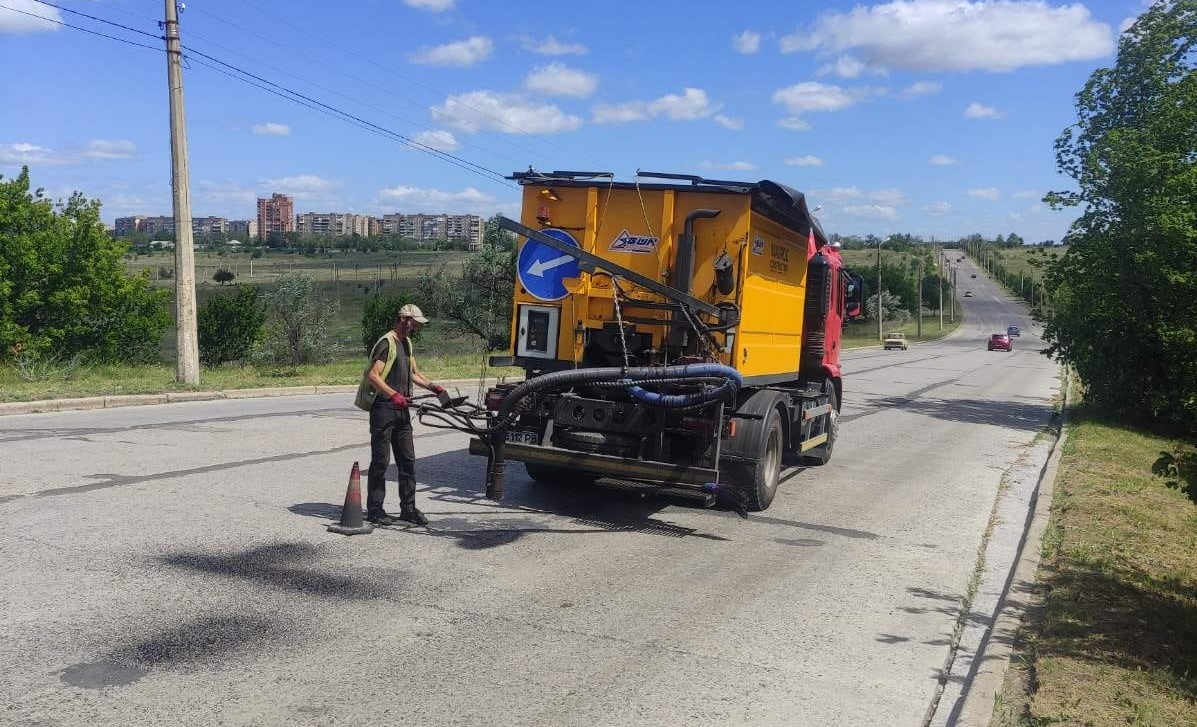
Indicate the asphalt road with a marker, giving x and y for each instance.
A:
(170, 565)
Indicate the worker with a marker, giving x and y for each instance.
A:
(386, 391)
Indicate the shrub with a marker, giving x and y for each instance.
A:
(378, 315)
(229, 325)
(298, 333)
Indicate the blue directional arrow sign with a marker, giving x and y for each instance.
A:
(543, 270)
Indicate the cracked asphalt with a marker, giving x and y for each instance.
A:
(170, 564)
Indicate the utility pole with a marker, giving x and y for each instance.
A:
(940, 280)
(880, 309)
(952, 295)
(187, 356)
(919, 307)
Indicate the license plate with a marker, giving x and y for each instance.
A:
(520, 436)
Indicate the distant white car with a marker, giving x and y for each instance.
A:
(968, 294)
(895, 339)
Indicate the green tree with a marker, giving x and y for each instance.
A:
(1123, 306)
(63, 284)
(378, 316)
(477, 299)
(300, 315)
(230, 324)
(223, 276)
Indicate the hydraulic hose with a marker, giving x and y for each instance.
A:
(642, 374)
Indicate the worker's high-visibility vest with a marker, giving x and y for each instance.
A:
(365, 390)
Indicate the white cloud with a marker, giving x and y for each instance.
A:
(39, 156)
(12, 21)
(733, 166)
(437, 139)
(1126, 24)
(842, 194)
(804, 161)
(888, 196)
(414, 200)
(922, 88)
(225, 195)
(508, 113)
(989, 36)
(812, 97)
(102, 149)
(981, 111)
(872, 212)
(943, 160)
(691, 105)
(432, 6)
(462, 53)
(991, 194)
(550, 46)
(558, 79)
(844, 67)
(308, 188)
(1015, 217)
(272, 129)
(1027, 194)
(621, 113)
(728, 122)
(748, 42)
(937, 209)
(794, 123)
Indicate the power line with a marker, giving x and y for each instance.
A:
(340, 116)
(98, 20)
(85, 30)
(290, 94)
(342, 95)
(405, 140)
(498, 121)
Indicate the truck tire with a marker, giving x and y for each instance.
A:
(767, 472)
(821, 455)
(754, 468)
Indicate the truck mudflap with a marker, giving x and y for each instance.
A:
(603, 465)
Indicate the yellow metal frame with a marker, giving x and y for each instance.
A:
(770, 267)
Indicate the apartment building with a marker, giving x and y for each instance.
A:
(332, 223)
(428, 228)
(155, 225)
(247, 229)
(209, 226)
(276, 215)
(125, 226)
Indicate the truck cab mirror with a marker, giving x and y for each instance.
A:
(854, 296)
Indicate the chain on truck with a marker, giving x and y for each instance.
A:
(674, 330)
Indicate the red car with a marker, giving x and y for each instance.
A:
(1000, 342)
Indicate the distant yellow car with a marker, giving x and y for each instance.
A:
(895, 339)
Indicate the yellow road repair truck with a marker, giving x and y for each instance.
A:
(675, 330)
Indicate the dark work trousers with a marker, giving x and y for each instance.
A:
(390, 428)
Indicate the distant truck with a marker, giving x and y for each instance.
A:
(675, 331)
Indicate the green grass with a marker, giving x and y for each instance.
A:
(1116, 641)
(864, 333)
(115, 379)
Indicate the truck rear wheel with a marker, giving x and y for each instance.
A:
(767, 472)
(753, 456)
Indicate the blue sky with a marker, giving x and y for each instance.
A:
(934, 117)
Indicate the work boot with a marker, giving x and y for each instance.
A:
(379, 517)
(414, 516)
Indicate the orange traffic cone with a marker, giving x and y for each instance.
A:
(351, 512)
